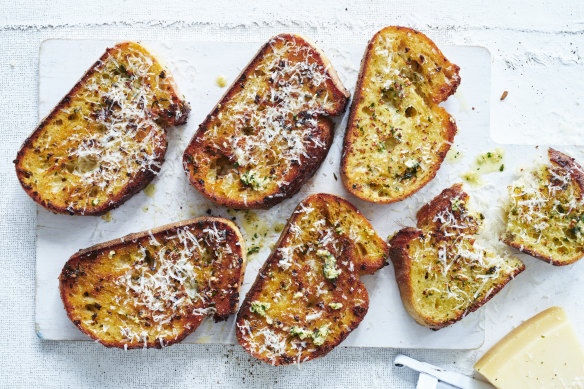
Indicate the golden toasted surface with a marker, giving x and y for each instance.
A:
(154, 288)
(545, 211)
(397, 136)
(442, 273)
(271, 130)
(307, 297)
(106, 139)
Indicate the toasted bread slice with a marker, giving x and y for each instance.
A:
(397, 136)
(153, 288)
(106, 139)
(441, 272)
(307, 297)
(545, 211)
(271, 130)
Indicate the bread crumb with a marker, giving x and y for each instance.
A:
(221, 81)
(504, 95)
(107, 217)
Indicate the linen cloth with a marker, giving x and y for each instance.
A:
(529, 42)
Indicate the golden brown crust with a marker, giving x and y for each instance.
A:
(352, 132)
(569, 164)
(176, 114)
(439, 204)
(539, 255)
(305, 169)
(226, 295)
(445, 91)
(402, 243)
(398, 252)
(363, 262)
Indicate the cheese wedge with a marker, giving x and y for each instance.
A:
(543, 352)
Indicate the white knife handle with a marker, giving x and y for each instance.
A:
(455, 379)
(426, 381)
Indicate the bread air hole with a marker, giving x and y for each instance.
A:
(94, 192)
(416, 67)
(248, 130)
(368, 111)
(392, 98)
(312, 302)
(101, 128)
(361, 249)
(388, 144)
(86, 164)
(222, 165)
(125, 258)
(82, 165)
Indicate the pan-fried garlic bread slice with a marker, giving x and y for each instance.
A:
(397, 136)
(441, 272)
(307, 297)
(106, 139)
(271, 130)
(545, 211)
(153, 288)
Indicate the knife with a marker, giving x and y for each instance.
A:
(433, 377)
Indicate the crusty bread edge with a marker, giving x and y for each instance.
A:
(440, 202)
(398, 246)
(506, 239)
(308, 169)
(183, 117)
(448, 122)
(570, 165)
(130, 238)
(368, 266)
(329, 69)
(141, 179)
(256, 286)
(284, 191)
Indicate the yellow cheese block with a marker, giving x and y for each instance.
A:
(543, 352)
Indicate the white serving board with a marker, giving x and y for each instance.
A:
(195, 66)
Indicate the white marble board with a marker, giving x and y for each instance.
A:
(196, 66)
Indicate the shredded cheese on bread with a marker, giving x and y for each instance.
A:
(442, 272)
(106, 139)
(271, 130)
(545, 211)
(153, 289)
(307, 297)
(397, 136)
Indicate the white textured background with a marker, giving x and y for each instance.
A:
(536, 48)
